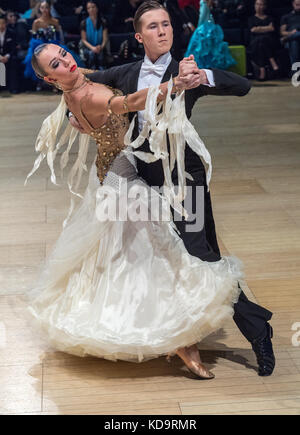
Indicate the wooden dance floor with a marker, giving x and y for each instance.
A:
(255, 148)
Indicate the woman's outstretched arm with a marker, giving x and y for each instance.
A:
(99, 103)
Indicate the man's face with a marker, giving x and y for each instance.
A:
(296, 5)
(11, 18)
(156, 33)
(260, 5)
(2, 25)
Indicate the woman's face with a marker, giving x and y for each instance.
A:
(260, 6)
(92, 9)
(58, 64)
(45, 8)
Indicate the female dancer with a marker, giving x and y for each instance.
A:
(207, 42)
(124, 288)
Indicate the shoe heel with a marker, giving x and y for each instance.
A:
(271, 332)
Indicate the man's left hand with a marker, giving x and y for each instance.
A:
(188, 68)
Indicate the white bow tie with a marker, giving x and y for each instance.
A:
(153, 69)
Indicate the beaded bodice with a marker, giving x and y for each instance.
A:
(110, 140)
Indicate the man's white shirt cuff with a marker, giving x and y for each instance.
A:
(210, 78)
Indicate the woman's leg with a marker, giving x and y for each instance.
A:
(269, 49)
(258, 58)
(274, 64)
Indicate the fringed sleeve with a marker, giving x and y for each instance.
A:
(47, 146)
(169, 118)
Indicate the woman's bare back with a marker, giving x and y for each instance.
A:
(81, 102)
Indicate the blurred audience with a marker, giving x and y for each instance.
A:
(92, 27)
(263, 41)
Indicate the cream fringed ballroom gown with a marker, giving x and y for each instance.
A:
(125, 289)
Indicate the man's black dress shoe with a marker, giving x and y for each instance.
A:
(264, 352)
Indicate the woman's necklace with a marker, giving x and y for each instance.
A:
(85, 81)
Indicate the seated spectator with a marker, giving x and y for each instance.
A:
(21, 31)
(290, 32)
(263, 43)
(94, 37)
(123, 20)
(8, 56)
(46, 20)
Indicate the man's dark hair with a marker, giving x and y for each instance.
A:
(3, 17)
(146, 6)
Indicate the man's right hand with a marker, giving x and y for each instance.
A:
(73, 121)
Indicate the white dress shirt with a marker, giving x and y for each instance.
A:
(2, 36)
(152, 74)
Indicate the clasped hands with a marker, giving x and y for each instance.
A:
(189, 75)
(4, 59)
(97, 49)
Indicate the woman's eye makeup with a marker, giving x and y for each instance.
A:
(55, 64)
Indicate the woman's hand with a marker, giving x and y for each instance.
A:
(190, 81)
(96, 49)
(187, 66)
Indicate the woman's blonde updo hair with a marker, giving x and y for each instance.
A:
(40, 73)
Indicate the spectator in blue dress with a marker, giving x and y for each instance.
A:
(94, 37)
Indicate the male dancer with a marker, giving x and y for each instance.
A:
(154, 31)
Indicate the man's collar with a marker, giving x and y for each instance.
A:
(165, 59)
